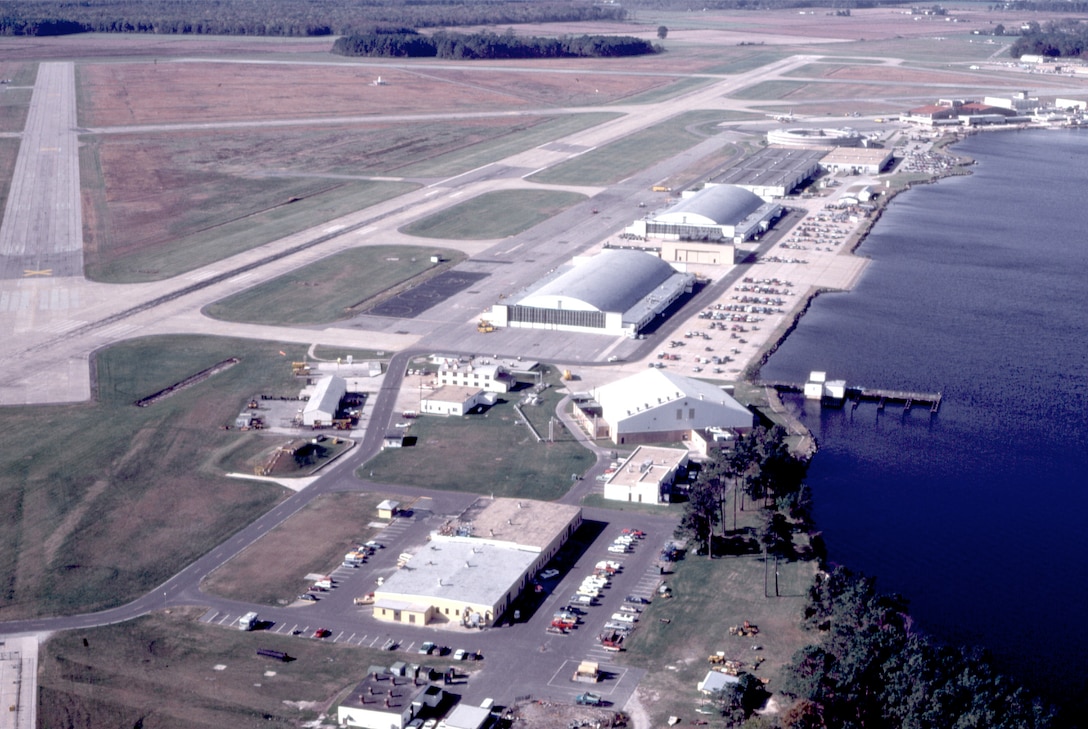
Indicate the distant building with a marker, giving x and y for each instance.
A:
(857, 161)
(809, 137)
(656, 406)
(715, 681)
(466, 717)
(647, 476)
(772, 172)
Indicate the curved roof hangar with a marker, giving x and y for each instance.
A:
(713, 205)
(612, 281)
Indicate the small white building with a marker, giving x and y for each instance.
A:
(465, 717)
(647, 476)
(452, 400)
(715, 681)
(819, 387)
(482, 374)
(381, 701)
(324, 401)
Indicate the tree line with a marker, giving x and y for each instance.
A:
(289, 18)
(866, 666)
(410, 43)
(1066, 38)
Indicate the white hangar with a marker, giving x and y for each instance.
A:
(702, 224)
(656, 406)
(616, 292)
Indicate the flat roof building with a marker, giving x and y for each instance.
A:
(383, 701)
(857, 161)
(773, 172)
(452, 400)
(647, 476)
(470, 571)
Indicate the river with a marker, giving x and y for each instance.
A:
(979, 289)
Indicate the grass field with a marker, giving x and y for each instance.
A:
(334, 288)
(494, 214)
(489, 453)
(273, 570)
(170, 672)
(613, 162)
(709, 596)
(147, 224)
(101, 501)
(14, 106)
(507, 141)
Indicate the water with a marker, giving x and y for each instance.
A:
(978, 288)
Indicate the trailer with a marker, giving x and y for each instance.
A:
(248, 621)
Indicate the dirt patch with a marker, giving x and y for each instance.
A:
(551, 715)
(187, 382)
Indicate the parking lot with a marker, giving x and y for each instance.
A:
(519, 656)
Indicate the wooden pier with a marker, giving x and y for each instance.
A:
(882, 397)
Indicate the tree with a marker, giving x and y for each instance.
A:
(700, 516)
(662, 32)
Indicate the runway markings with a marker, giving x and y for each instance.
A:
(60, 327)
(118, 330)
(201, 275)
(241, 277)
(37, 272)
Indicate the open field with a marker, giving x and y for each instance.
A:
(14, 105)
(710, 595)
(491, 453)
(123, 94)
(334, 288)
(613, 162)
(168, 671)
(157, 208)
(494, 215)
(273, 570)
(82, 484)
(9, 150)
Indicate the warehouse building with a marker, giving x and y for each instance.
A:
(384, 700)
(803, 137)
(703, 226)
(470, 571)
(616, 292)
(857, 161)
(773, 172)
(485, 374)
(656, 406)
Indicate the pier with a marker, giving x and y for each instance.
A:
(882, 397)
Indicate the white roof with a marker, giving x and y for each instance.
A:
(653, 388)
(466, 717)
(716, 681)
(611, 281)
(326, 396)
(713, 205)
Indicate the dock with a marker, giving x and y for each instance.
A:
(881, 396)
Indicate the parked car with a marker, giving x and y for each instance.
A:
(588, 699)
(636, 600)
(460, 654)
(322, 633)
(374, 545)
(548, 574)
(427, 647)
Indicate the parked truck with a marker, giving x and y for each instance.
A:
(248, 621)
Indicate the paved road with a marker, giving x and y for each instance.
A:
(42, 230)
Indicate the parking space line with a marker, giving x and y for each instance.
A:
(339, 636)
(209, 616)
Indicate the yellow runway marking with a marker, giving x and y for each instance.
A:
(33, 272)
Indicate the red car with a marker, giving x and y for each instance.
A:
(322, 633)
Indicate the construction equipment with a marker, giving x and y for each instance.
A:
(485, 326)
(661, 188)
(300, 368)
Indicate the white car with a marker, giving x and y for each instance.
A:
(548, 574)
(623, 617)
(617, 549)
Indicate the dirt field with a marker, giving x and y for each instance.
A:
(313, 540)
(175, 92)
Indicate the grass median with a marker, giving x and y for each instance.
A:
(494, 214)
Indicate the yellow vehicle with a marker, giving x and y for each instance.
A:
(660, 188)
(485, 326)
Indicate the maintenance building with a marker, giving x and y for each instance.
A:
(324, 402)
(647, 476)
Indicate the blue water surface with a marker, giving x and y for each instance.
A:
(978, 288)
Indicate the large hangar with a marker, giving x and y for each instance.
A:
(656, 406)
(716, 215)
(616, 292)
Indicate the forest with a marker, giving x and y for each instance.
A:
(405, 42)
(1067, 38)
(293, 18)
